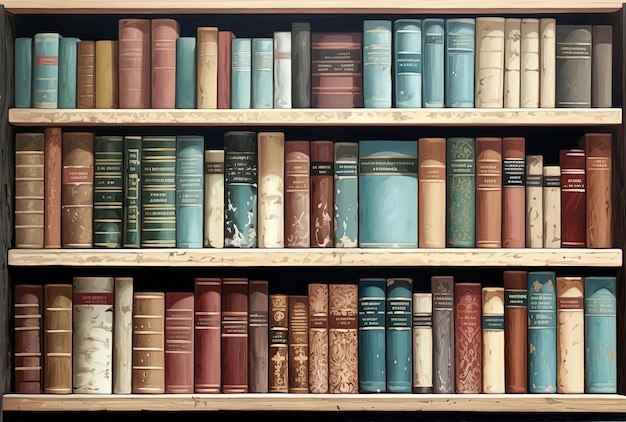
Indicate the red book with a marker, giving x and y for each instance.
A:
(573, 200)
(235, 335)
(208, 308)
(28, 358)
(513, 193)
(164, 36)
(179, 348)
(468, 337)
(322, 194)
(224, 49)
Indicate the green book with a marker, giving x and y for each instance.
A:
(107, 192)
(132, 191)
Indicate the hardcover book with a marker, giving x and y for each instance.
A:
(468, 338)
(28, 344)
(58, 339)
(208, 346)
(108, 192)
(343, 356)
(407, 63)
(322, 196)
(271, 167)
(234, 335)
(298, 341)
(214, 198)
(377, 63)
(318, 338)
(442, 288)
(493, 365)
(148, 343)
(399, 340)
(346, 194)
(189, 191)
(179, 342)
(516, 331)
(29, 190)
(372, 348)
(570, 335)
(542, 343)
(297, 194)
(422, 342)
(460, 45)
(460, 192)
(258, 334)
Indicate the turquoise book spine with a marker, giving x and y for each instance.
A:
(388, 194)
(600, 335)
(408, 63)
(262, 73)
(241, 73)
(433, 34)
(346, 194)
(460, 46)
(542, 358)
(132, 192)
(108, 191)
(377, 64)
(399, 335)
(189, 191)
(158, 192)
(461, 192)
(240, 189)
(186, 72)
(371, 351)
(46, 71)
(67, 72)
(23, 68)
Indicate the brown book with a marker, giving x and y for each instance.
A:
(573, 198)
(468, 338)
(86, 74)
(570, 332)
(343, 356)
(208, 355)
(258, 335)
(28, 357)
(298, 344)
(488, 192)
(148, 343)
(207, 45)
(52, 188)
(599, 202)
(107, 72)
(513, 192)
(515, 331)
(224, 56)
(58, 339)
(29, 190)
(297, 194)
(318, 338)
(179, 335)
(77, 190)
(165, 32)
(322, 194)
(432, 193)
(235, 335)
(134, 63)
(278, 344)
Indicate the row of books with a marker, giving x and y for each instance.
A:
(262, 191)
(483, 62)
(539, 333)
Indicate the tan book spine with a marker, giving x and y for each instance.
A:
(271, 168)
(551, 206)
(493, 340)
(58, 339)
(165, 32)
(134, 63)
(28, 344)
(279, 344)
(529, 77)
(422, 342)
(534, 201)
(547, 82)
(123, 335)
(343, 356)
(570, 335)
(29, 190)
(297, 194)
(86, 74)
(598, 149)
(432, 192)
(214, 198)
(52, 188)
(107, 71)
(489, 82)
(298, 344)
(318, 338)
(512, 47)
(206, 93)
(513, 192)
(488, 192)
(148, 343)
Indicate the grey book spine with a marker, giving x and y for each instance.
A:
(602, 66)
(573, 66)
(301, 64)
(442, 288)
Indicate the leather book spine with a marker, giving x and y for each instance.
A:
(422, 343)
(108, 191)
(134, 63)
(279, 344)
(515, 331)
(570, 327)
(282, 69)
(58, 339)
(552, 207)
(235, 335)
(131, 228)
(513, 192)
(573, 198)
(214, 198)
(318, 338)
(346, 197)
(28, 345)
(322, 195)
(258, 335)
(86, 74)
(399, 337)
(602, 66)
(179, 347)
(547, 62)
(468, 338)
(271, 167)
(298, 344)
(529, 59)
(343, 356)
(442, 288)
(512, 65)
(297, 194)
(493, 340)
(165, 32)
(123, 335)
(534, 201)
(208, 329)
(432, 192)
(224, 63)
(460, 192)
(207, 65)
(489, 84)
(542, 343)
(52, 188)
(301, 64)
(45, 70)
(372, 335)
(29, 190)
(488, 192)
(148, 343)
(106, 83)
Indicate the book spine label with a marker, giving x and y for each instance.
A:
(512, 47)
(343, 339)
(27, 326)
(534, 201)
(282, 69)
(186, 72)
(68, 59)
(271, 163)
(493, 366)
(460, 45)
(461, 192)
(46, 70)
(58, 339)
(318, 338)
(547, 49)
(207, 66)
(258, 332)
(434, 58)
(234, 335)
(23, 66)
(214, 199)
(573, 198)
(529, 59)
(516, 331)
(298, 344)
(488, 192)
(29, 190)
(148, 343)
(301, 64)
(432, 192)
(262, 73)
(134, 63)
(408, 63)
(241, 73)
(372, 361)
(551, 207)
(377, 64)
(322, 178)
(208, 349)
(468, 338)
(189, 191)
(570, 335)
(297, 194)
(179, 347)
(422, 342)
(489, 81)
(346, 194)
(122, 335)
(442, 288)
(513, 193)
(573, 65)
(132, 191)
(399, 316)
(108, 192)
(279, 344)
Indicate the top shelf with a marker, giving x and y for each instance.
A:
(308, 6)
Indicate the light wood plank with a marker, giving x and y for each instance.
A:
(315, 257)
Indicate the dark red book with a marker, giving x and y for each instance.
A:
(179, 336)
(208, 311)
(573, 199)
(468, 337)
(235, 335)
(224, 54)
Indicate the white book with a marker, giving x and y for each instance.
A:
(282, 69)
(422, 341)
(493, 340)
(547, 29)
(534, 201)
(489, 83)
(214, 198)
(271, 168)
(551, 207)
(529, 70)
(123, 335)
(512, 46)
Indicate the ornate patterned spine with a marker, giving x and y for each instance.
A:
(298, 344)
(318, 338)
(343, 353)
(468, 338)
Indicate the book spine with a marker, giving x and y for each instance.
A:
(86, 74)
(271, 167)
(547, 50)
(297, 194)
(108, 192)
(123, 335)
(207, 67)
(179, 347)
(148, 343)
(29, 190)
(279, 344)
(399, 340)
(602, 66)
(372, 348)
(235, 335)
(442, 288)
(433, 50)
(45, 70)
(599, 201)
(573, 65)
(186, 69)
(318, 338)
(208, 349)
(68, 60)
(516, 331)
(407, 63)
(27, 326)
(23, 68)
(534, 201)
(132, 191)
(493, 340)
(570, 329)
(346, 194)
(343, 356)
(262, 73)
(552, 207)
(298, 343)
(573, 198)
(241, 73)
(189, 191)
(282, 69)
(431, 192)
(377, 64)
(258, 334)
(163, 56)
(322, 195)
(422, 343)
(106, 68)
(301, 64)
(489, 83)
(468, 338)
(460, 45)
(134, 63)
(529, 58)
(542, 367)
(460, 192)
(513, 192)
(512, 65)
(224, 64)
(214, 198)
(52, 188)
(58, 339)
(488, 192)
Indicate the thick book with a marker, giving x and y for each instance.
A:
(343, 356)
(534, 201)
(573, 198)
(573, 65)
(234, 335)
(179, 342)
(86, 75)
(301, 64)
(322, 196)
(224, 63)
(282, 69)
(318, 338)
(186, 72)
(207, 67)
(377, 91)
(207, 323)
(551, 207)
(297, 194)
(148, 343)
(241, 73)
(262, 73)
(271, 168)
(258, 335)
(58, 339)
(513, 192)
(131, 237)
(542, 343)
(189, 191)
(346, 194)
(489, 192)
(570, 329)
(547, 62)
(515, 331)
(107, 71)
(372, 334)
(422, 342)
(108, 192)
(602, 66)
(442, 289)
(29, 190)
(512, 65)
(431, 192)
(489, 78)
(52, 188)
(468, 338)
(298, 343)
(493, 365)
(460, 46)
(45, 70)
(433, 70)
(279, 344)
(165, 32)
(529, 59)
(134, 63)
(122, 335)
(28, 342)
(68, 60)
(23, 71)
(407, 63)
(399, 336)
(214, 198)
(460, 192)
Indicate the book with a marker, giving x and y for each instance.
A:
(258, 334)
(442, 288)
(346, 194)
(282, 69)
(165, 32)
(134, 63)
(52, 188)
(301, 64)
(322, 195)
(133, 153)
(573, 198)
(298, 343)
(214, 198)
(516, 331)
(208, 346)
(234, 335)
(570, 329)
(271, 170)
(529, 59)
(207, 65)
(407, 63)
(58, 339)
(262, 73)
(107, 71)
(186, 69)
(45, 70)
(422, 343)
(86, 74)
(489, 83)
(190, 194)
(573, 65)
(460, 192)
(122, 335)
(493, 360)
(23, 71)
(318, 338)
(602, 66)
(460, 46)
(29, 190)
(468, 338)
(399, 336)
(377, 46)
(513, 192)
(372, 334)
(279, 344)
(512, 64)
(68, 61)
(488, 192)
(547, 62)
(148, 343)
(431, 192)
(179, 342)
(224, 64)
(534, 201)
(241, 73)
(551, 207)
(542, 343)
(108, 191)
(297, 194)
(343, 354)
(433, 71)
(28, 358)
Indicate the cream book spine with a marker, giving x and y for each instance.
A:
(529, 86)
(422, 342)
(123, 335)
(551, 206)
(512, 46)
(206, 90)
(570, 335)
(214, 198)
(271, 168)
(282, 69)
(547, 96)
(489, 83)
(493, 340)
(534, 201)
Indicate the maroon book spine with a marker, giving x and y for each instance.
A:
(322, 195)
(208, 309)
(164, 36)
(224, 55)
(134, 63)
(297, 194)
(468, 338)
(235, 335)
(179, 350)
(513, 192)
(573, 199)
(28, 325)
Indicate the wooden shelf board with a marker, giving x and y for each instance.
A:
(318, 117)
(319, 402)
(315, 257)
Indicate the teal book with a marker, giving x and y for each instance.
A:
(23, 67)
(189, 191)
(399, 335)
(46, 70)
(377, 64)
(600, 335)
(371, 351)
(460, 47)
(407, 53)
(461, 192)
(433, 69)
(186, 72)
(241, 73)
(240, 189)
(131, 237)
(67, 72)
(158, 192)
(108, 191)
(346, 194)
(542, 367)
(388, 194)
(262, 73)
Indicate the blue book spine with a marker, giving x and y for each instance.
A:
(399, 335)
(460, 46)
(600, 335)
(377, 64)
(346, 194)
(461, 192)
(408, 63)
(542, 359)
(186, 72)
(388, 194)
(189, 191)
(46, 71)
(433, 35)
(241, 73)
(23, 68)
(67, 72)
(372, 378)
(262, 73)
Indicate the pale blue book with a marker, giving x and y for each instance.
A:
(262, 73)
(346, 194)
(186, 72)
(372, 362)
(241, 73)
(23, 68)
(67, 71)
(460, 47)
(408, 63)
(399, 335)
(189, 191)
(542, 366)
(433, 70)
(46, 70)
(377, 64)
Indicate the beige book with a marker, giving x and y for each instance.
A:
(432, 193)
(122, 335)
(547, 79)
(29, 190)
(148, 343)
(58, 339)
(271, 168)
(529, 69)
(493, 340)
(206, 91)
(214, 198)
(534, 201)
(422, 342)
(282, 70)
(489, 84)
(551, 206)
(512, 46)
(570, 335)
(107, 74)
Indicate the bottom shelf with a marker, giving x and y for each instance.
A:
(588, 403)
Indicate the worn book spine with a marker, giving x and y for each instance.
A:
(258, 334)
(23, 72)
(134, 63)
(551, 207)
(468, 338)
(573, 198)
(542, 344)
(602, 66)
(67, 72)
(377, 49)
(318, 338)
(186, 69)
(301, 64)
(431, 192)
(442, 288)
(282, 69)
(108, 192)
(529, 59)
(207, 67)
(570, 329)
(58, 339)
(224, 63)
(122, 335)
(179, 339)
(433, 52)
(399, 340)
(262, 73)
(131, 237)
(279, 344)
(189, 191)
(271, 167)
(534, 201)
(29, 190)
(493, 340)
(372, 348)
(214, 198)
(516, 331)
(488, 192)
(165, 32)
(422, 343)
(489, 84)
(512, 64)
(106, 82)
(513, 192)
(52, 188)
(241, 73)
(148, 343)
(207, 323)
(235, 335)
(297, 194)
(46, 70)
(573, 65)
(86, 74)
(346, 194)
(343, 356)
(460, 192)
(298, 344)
(407, 63)
(460, 58)
(28, 321)
(547, 62)
(322, 195)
